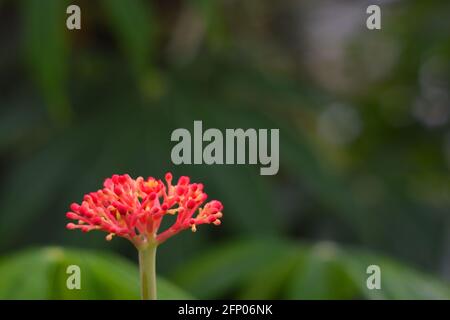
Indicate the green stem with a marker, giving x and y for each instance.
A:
(147, 268)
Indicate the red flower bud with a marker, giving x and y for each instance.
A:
(74, 207)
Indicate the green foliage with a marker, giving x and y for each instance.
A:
(253, 269)
(271, 269)
(43, 24)
(41, 274)
(133, 24)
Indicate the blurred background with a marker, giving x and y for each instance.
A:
(364, 144)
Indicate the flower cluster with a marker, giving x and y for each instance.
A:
(134, 208)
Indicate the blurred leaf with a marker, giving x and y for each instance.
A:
(319, 275)
(267, 269)
(268, 281)
(46, 52)
(222, 269)
(214, 20)
(41, 274)
(397, 280)
(135, 28)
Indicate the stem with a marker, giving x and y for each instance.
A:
(147, 268)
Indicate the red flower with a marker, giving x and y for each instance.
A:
(134, 208)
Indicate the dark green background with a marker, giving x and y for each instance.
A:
(364, 143)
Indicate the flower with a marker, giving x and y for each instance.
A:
(134, 208)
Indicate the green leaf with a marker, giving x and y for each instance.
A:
(41, 274)
(213, 17)
(319, 275)
(397, 280)
(267, 269)
(268, 281)
(46, 52)
(226, 267)
(135, 28)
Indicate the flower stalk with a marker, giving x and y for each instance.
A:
(147, 270)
